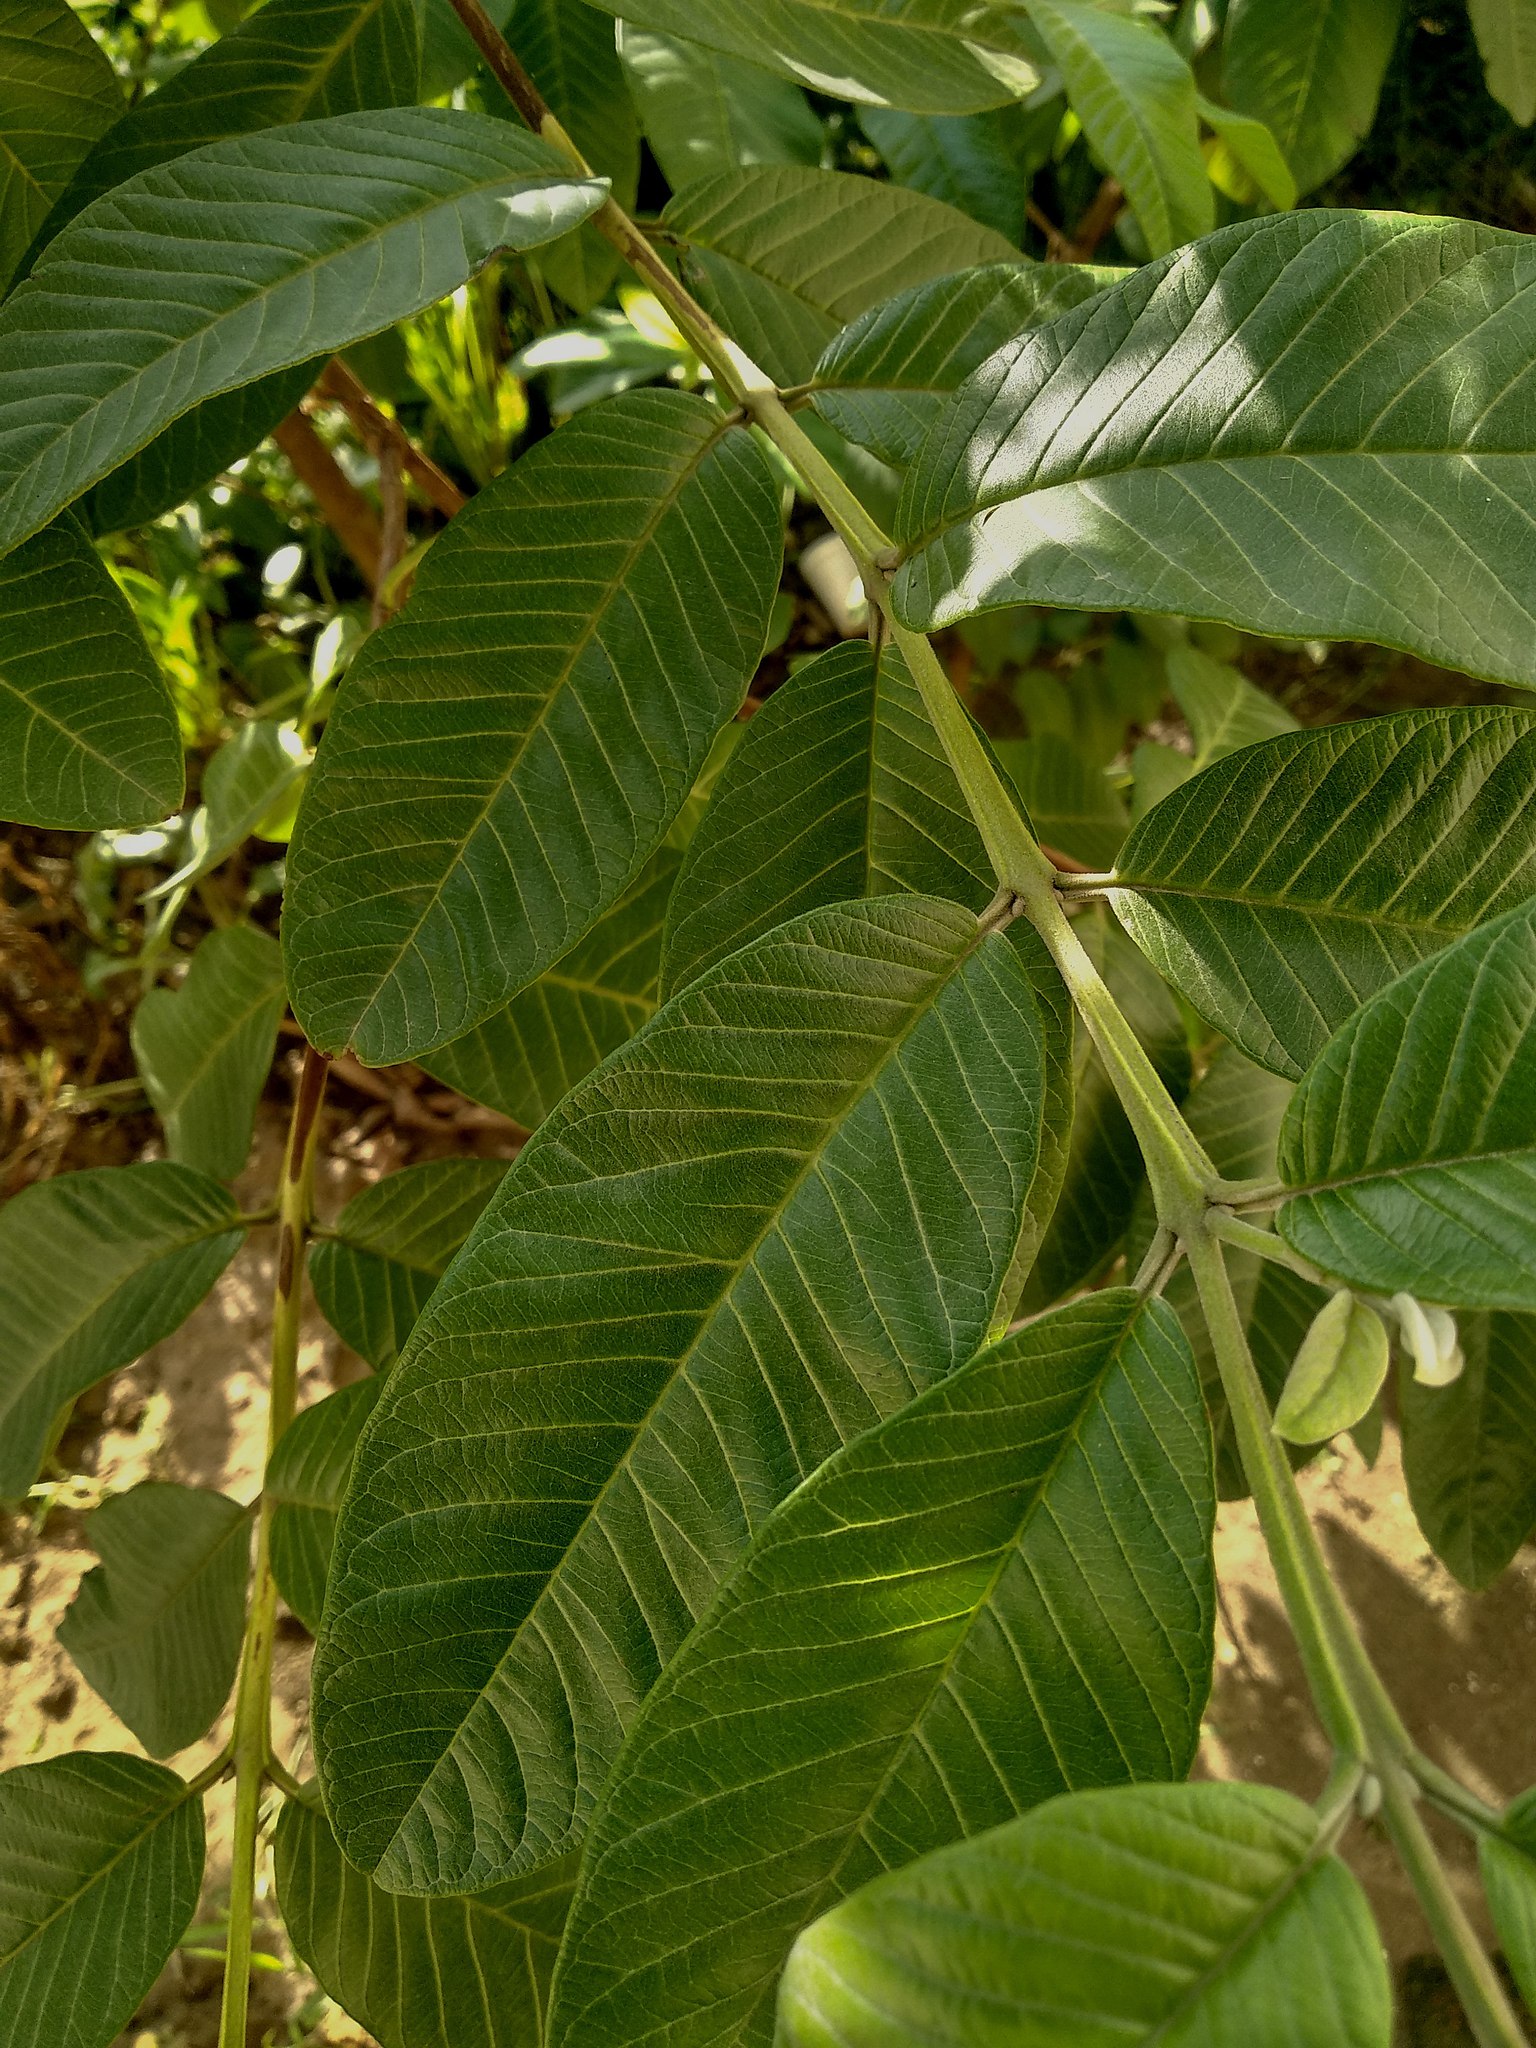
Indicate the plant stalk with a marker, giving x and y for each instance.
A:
(253, 1697)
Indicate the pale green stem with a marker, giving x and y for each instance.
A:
(252, 1740)
(1265, 1244)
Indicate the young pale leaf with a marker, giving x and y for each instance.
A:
(1287, 884)
(970, 161)
(1224, 710)
(941, 1628)
(784, 255)
(241, 259)
(1506, 36)
(1209, 1914)
(942, 57)
(391, 1246)
(57, 94)
(420, 1973)
(1314, 78)
(526, 1057)
(883, 381)
(1411, 1143)
(94, 1268)
(704, 113)
(1248, 149)
(1469, 1449)
(155, 1628)
(305, 1480)
(1338, 1372)
(204, 1049)
(1508, 1865)
(88, 734)
(793, 1199)
(101, 1858)
(1135, 96)
(1185, 443)
(588, 624)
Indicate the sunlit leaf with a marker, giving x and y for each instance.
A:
(704, 112)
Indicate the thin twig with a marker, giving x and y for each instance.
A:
(1059, 248)
(1105, 209)
(340, 384)
(343, 507)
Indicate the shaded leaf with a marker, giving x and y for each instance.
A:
(1224, 710)
(970, 161)
(156, 1627)
(306, 1478)
(1412, 1138)
(225, 266)
(88, 734)
(793, 1199)
(94, 1268)
(1506, 37)
(1314, 79)
(1001, 1593)
(1074, 805)
(784, 255)
(1248, 147)
(704, 112)
(101, 1858)
(204, 1049)
(1206, 1913)
(1508, 1866)
(1181, 444)
(1286, 885)
(524, 1058)
(1469, 1449)
(57, 94)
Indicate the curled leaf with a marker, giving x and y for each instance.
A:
(1337, 1374)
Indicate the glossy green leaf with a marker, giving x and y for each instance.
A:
(1508, 1869)
(524, 1058)
(1074, 805)
(241, 259)
(1312, 78)
(970, 161)
(884, 380)
(784, 256)
(793, 1199)
(1135, 96)
(101, 1858)
(1287, 884)
(1202, 1914)
(1337, 1374)
(1224, 710)
(94, 1268)
(57, 94)
(88, 734)
(204, 1049)
(306, 1479)
(1250, 149)
(420, 1973)
(939, 56)
(1469, 1449)
(1506, 37)
(1411, 1142)
(155, 1627)
(1002, 1593)
(1189, 442)
(589, 622)
(392, 1244)
(704, 112)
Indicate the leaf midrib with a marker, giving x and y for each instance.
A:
(1150, 886)
(1369, 1176)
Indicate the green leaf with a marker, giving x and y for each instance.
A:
(57, 94)
(1181, 445)
(793, 1199)
(704, 113)
(1287, 884)
(1469, 1449)
(204, 1050)
(970, 161)
(1251, 150)
(94, 1268)
(588, 622)
(1411, 1142)
(292, 60)
(999, 1594)
(88, 734)
(392, 1244)
(1338, 1372)
(1074, 805)
(526, 1057)
(1135, 96)
(784, 255)
(883, 380)
(245, 782)
(1224, 710)
(1508, 1869)
(155, 1627)
(420, 1973)
(1206, 1914)
(306, 1479)
(1313, 78)
(101, 1858)
(241, 259)
(1506, 36)
(944, 57)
